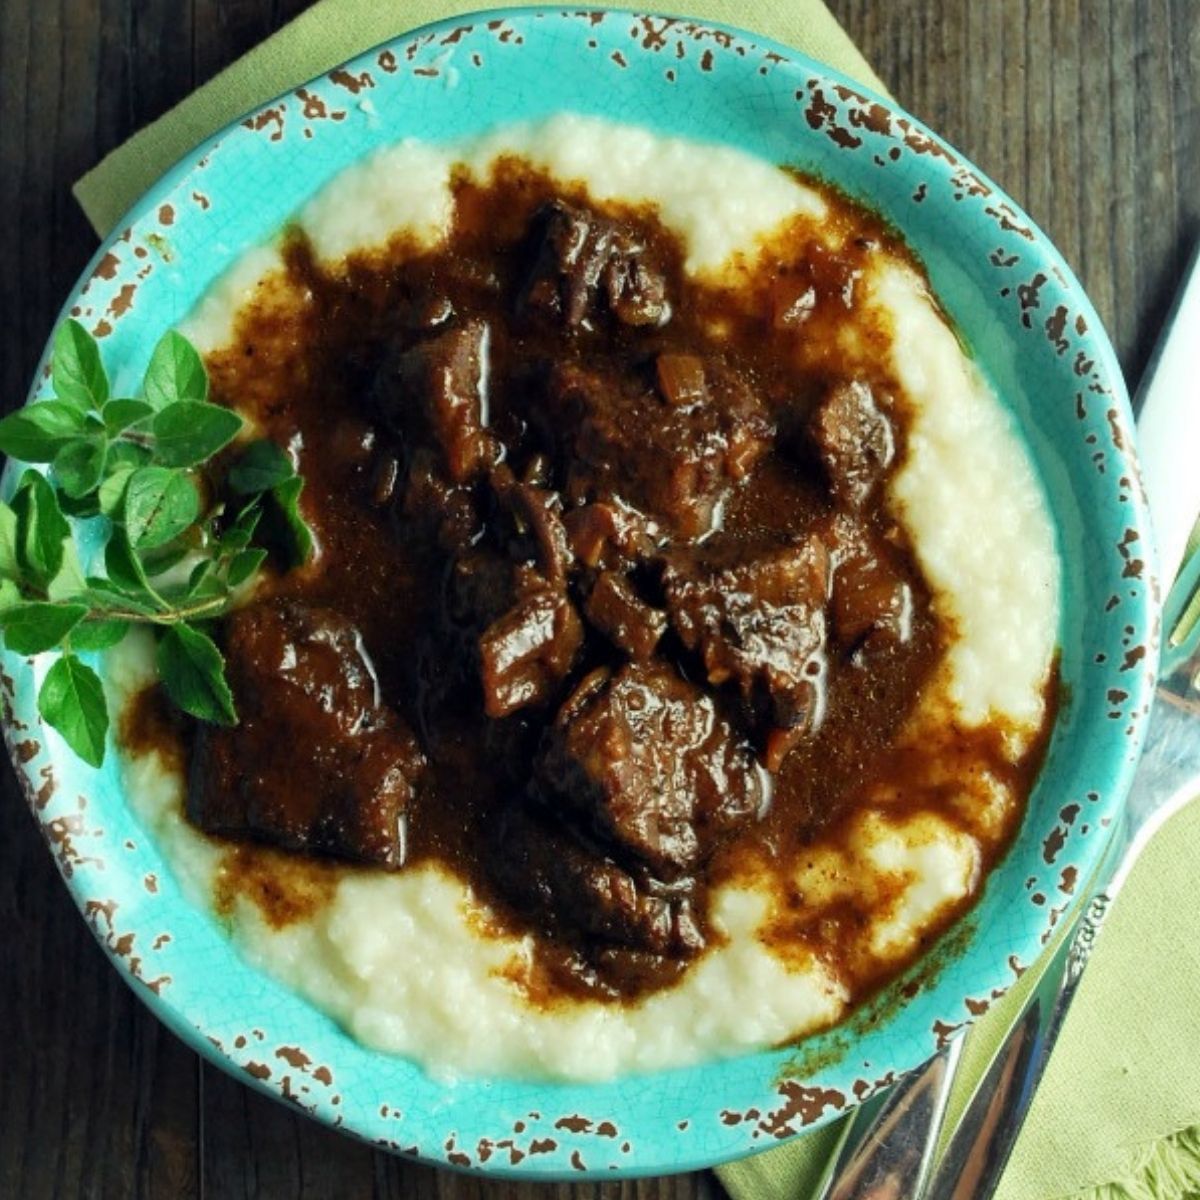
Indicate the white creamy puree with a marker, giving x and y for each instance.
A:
(393, 957)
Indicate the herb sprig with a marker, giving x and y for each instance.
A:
(172, 557)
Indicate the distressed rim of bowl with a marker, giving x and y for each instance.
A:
(683, 1118)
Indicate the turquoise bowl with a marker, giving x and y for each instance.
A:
(1030, 327)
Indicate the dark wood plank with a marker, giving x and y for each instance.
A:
(1084, 110)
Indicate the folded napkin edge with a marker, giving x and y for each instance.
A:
(332, 32)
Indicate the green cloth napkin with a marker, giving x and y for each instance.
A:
(1118, 1114)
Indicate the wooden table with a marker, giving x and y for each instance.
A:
(1085, 110)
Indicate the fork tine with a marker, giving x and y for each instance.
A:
(1181, 617)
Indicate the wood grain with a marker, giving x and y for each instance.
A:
(1085, 110)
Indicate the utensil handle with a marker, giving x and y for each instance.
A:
(983, 1142)
(1168, 424)
(981, 1145)
(887, 1146)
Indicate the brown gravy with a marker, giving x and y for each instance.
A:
(304, 359)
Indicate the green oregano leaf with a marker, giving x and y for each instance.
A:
(243, 565)
(292, 529)
(68, 580)
(84, 507)
(208, 589)
(126, 573)
(32, 627)
(119, 415)
(160, 504)
(159, 562)
(71, 700)
(190, 431)
(41, 528)
(104, 596)
(176, 372)
(112, 491)
(238, 535)
(263, 466)
(98, 635)
(37, 432)
(122, 454)
(76, 369)
(193, 672)
(10, 568)
(79, 465)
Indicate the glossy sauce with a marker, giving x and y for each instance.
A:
(300, 368)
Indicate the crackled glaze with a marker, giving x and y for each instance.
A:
(1017, 307)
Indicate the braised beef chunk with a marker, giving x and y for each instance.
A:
(385, 479)
(446, 511)
(437, 388)
(855, 440)
(610, 534)
(316, 761)
(758, 625)
(681, 379)
(571, 885)
(586, 262)
(480, 586)
(527, 652)
(871, 601)
(617, 611)
(647, 765)
(620, 440)
(537, 524)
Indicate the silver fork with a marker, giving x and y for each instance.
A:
(888, 1146)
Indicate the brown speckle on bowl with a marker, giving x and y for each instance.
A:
(455, 36)
(356, 83)
(1053, 843)
(799, 1101)
(122, 302)
(314, 107)
(106, 268)
(1133, 566)
(268, 119)
(653, 32)
(944, 1032)
(294, 1057)
(1056, 323)
(62, 833)
(574, 1124)
(1133, 656)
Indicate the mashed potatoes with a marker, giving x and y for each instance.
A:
(409, 962)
